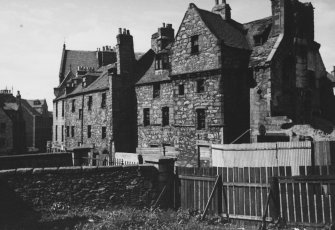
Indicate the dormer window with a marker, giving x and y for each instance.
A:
(195, 44)
(162, 61)
(37, 102)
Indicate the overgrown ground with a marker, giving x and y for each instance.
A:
(62, 217)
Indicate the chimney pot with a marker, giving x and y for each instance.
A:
(124, 31)
(163, 24)
(120, 30)
(128, 32)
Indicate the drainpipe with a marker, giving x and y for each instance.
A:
(82, 120)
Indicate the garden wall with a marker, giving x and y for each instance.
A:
(90, 187)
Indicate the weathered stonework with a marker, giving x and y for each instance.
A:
(208, 57)
(80, 187)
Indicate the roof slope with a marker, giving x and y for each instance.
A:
(260, 53)
(75, 58)
(146, 70)
(27, 105)
(101, 83)
(224, 30)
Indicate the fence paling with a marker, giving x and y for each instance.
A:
(308, 200)
(243, 195)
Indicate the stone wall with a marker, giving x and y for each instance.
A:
(96, 117)
(97, 188)
(36, 160)
(58, 122)
(182, 61)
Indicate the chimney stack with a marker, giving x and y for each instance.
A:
(223, 9)
(125, 55)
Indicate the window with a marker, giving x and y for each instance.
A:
(37, 102)
(89, 131)
(62, 133)
(201, 119)
(62, 108)
(195, 44)
(165, 116)
(156, 90)
(89, 103)
(67, 131)
(80, 114)
(73, 109)
(103, 132)
(161, 61)
(72, 131)
(200, 86)
(57, 109)
(56, 133)
(103, 100)
(3, 128)
(146, 117)
(181, 89)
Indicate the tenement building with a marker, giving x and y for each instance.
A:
(95, 104)
(221, 81)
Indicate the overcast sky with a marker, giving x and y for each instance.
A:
(33, 32)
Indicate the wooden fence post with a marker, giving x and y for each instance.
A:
(274, 202)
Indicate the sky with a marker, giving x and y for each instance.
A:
(32, 32)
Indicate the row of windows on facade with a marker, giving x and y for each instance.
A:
(89, 104)
(200, 88)
(201, 117)
(71, 130)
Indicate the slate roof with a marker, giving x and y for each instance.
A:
(260, 53)
(74, 58)
(224, 29)
(146, 70)
(27, 105)
(100, 84)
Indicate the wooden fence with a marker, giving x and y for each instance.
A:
(242, 192)
(309, 200)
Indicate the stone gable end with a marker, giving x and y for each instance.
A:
(182, 61)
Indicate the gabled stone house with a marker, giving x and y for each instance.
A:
(221, 81)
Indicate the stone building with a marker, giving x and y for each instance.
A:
(95, 103)
(220, 81)
(38, 124)
(12, 124)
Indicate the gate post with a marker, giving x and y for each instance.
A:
(165, 166)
